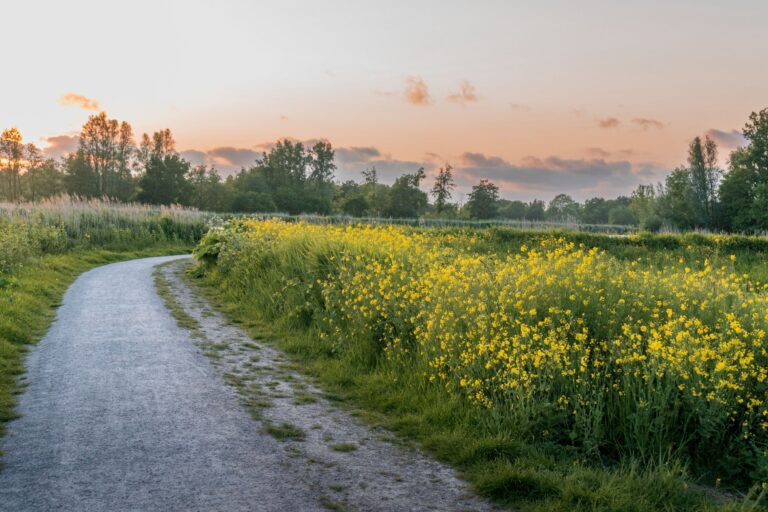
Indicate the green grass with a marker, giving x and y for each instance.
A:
(521, 473)
(344, 447)
(524, 468)
(285, 432)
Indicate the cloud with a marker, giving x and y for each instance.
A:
(519, 106)
(598, 152)
(195, 157)
(645, 123)
(730, 139)
(466, 94)
(416, 92)
(609, 122)
(76, 100)
(353, 160)
(226, 159)
(579, 177)
(58, 146)
(356, 154)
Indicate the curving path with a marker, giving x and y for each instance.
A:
(124, 412)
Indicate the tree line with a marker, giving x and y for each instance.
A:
(294, 178)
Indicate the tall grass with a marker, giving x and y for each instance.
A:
(58, 225)
(658, 361)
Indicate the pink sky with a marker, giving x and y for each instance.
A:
(589, 97)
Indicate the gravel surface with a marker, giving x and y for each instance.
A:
(123, 411)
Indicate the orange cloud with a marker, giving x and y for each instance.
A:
(416, 92)
(76, 100)
(609, 122)
(465, 95)
(60, 145)
(645, 123)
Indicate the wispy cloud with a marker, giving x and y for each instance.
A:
(598, 152)
(519, 106)
(466, 94)
(646, 123)
(608, 122)
(351, 161)
(416, 91)
(77, 100)
(726, 139)
(224, 158)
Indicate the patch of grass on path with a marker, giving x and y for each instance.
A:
(285, 432)
(28, 302)
(344, 447)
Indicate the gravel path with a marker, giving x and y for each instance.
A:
(123, 411)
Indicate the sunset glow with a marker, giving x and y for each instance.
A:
(589, 98)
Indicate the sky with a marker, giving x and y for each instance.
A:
(584, 97)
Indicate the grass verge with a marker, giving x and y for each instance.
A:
(524, 474)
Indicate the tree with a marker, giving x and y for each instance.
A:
(737, 193)
(704, 175)
(351, 199)
(165, 172)
(535, 210)
(513, 210)
(11, 161)
(207, 190)
(406, 200)
(643, 206)
(285, 164)
(373, 191)
(443, 188)
(744, 189)
(483, 200)
(321, 165)
(595, 211)
(42, 179)
(107, 146)
(563, 208)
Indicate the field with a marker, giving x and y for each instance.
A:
(44, 246)
(558, 371)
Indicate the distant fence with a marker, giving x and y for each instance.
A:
(438, 223)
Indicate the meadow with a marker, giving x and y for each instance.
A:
(45, 245)
(557, 370)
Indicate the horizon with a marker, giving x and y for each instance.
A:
(589, 100)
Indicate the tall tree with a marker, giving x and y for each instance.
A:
(371, 184)
(406, 200)
(11, 162)
(562, 208)
(321, 165)
(513, 210)
(744, 190)
(483, 200)
(442, 190)
(535, 210)
(165, 173)
(704, 175)
(107, 146)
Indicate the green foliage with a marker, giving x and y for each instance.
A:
(511, 452)
(406, 200)
(483, 201)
